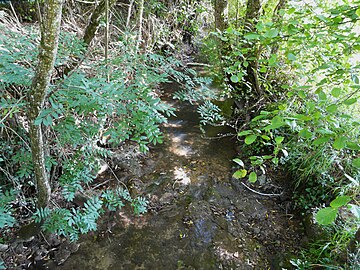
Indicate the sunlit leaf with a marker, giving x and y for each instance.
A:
(356, 163)
(291, 57)
(271, 33)
(326, 215)
(252, 177)
(234, 78)
(340, 201)
(240, 174)
(335, 92)
(350, 101)
(305, 133)
(245, 132)
(250, 139)
(279, 139)
(340, 143)
(239, 161)
(321, 140)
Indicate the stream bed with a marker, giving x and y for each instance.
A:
(198, 217)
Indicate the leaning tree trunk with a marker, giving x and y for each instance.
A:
(49, 30)
(90, 31)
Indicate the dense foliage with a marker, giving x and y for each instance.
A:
(87, 114)
(295, 77)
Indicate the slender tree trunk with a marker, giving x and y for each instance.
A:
(129, 14)
(141, 14)
(252, 14)
(251, 18)
(90, 30)
(219, 8)
(50, 30)
(94, 22)
(276, 19)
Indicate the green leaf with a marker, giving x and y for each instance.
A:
(332, 108)
(239, 161)
(326, 215)
(279, 139)
(358, 12)
(271, 33)
(335, 92)
(234, 78)
(350, 101)
(340, 201)
(277, 122)
(240, 174)
(340, 143)
(305, 133)
(250, 139)
(272, 60)
(265, 137)
(251, 36)
(322, 95)
(291, 57)
(321, 140)
(245, 132)
(356, 163)
(252, 177)
(275, 160)
(353, 146)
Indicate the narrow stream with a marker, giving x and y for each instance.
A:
(199, 218)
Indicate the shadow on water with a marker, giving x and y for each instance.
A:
(198, 218)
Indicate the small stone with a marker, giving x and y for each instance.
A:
(236, 254)
(166, 198)
(3, 247)
(256, 230)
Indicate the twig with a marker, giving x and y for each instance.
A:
(198, 64)
(259, 193)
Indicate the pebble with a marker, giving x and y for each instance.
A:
(3, 247)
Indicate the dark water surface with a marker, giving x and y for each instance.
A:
(199, 218)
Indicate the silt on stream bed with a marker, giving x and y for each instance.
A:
(199, 217)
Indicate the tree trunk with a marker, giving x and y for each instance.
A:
(141, 14)
(251, 18)
(129, 14)
(252, 14)
(94, 22)
(90, 31)
(50, 30)
(219, 8)
(276, 19)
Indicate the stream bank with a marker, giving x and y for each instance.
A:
(199, 217)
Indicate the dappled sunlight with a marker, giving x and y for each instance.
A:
(181, 176)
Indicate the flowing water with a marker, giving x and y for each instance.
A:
(199, 217)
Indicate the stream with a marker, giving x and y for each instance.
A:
(198, 218)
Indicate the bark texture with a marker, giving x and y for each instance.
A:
(50, 30)
(90, 31)
(219, 8)
(252, 14)
(94, 22)
(251, 18)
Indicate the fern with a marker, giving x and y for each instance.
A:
(112, 200)
(140, 205)
(6, 198)
(41, 213)
(209, 113)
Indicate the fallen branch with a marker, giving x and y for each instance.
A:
(262, 194)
